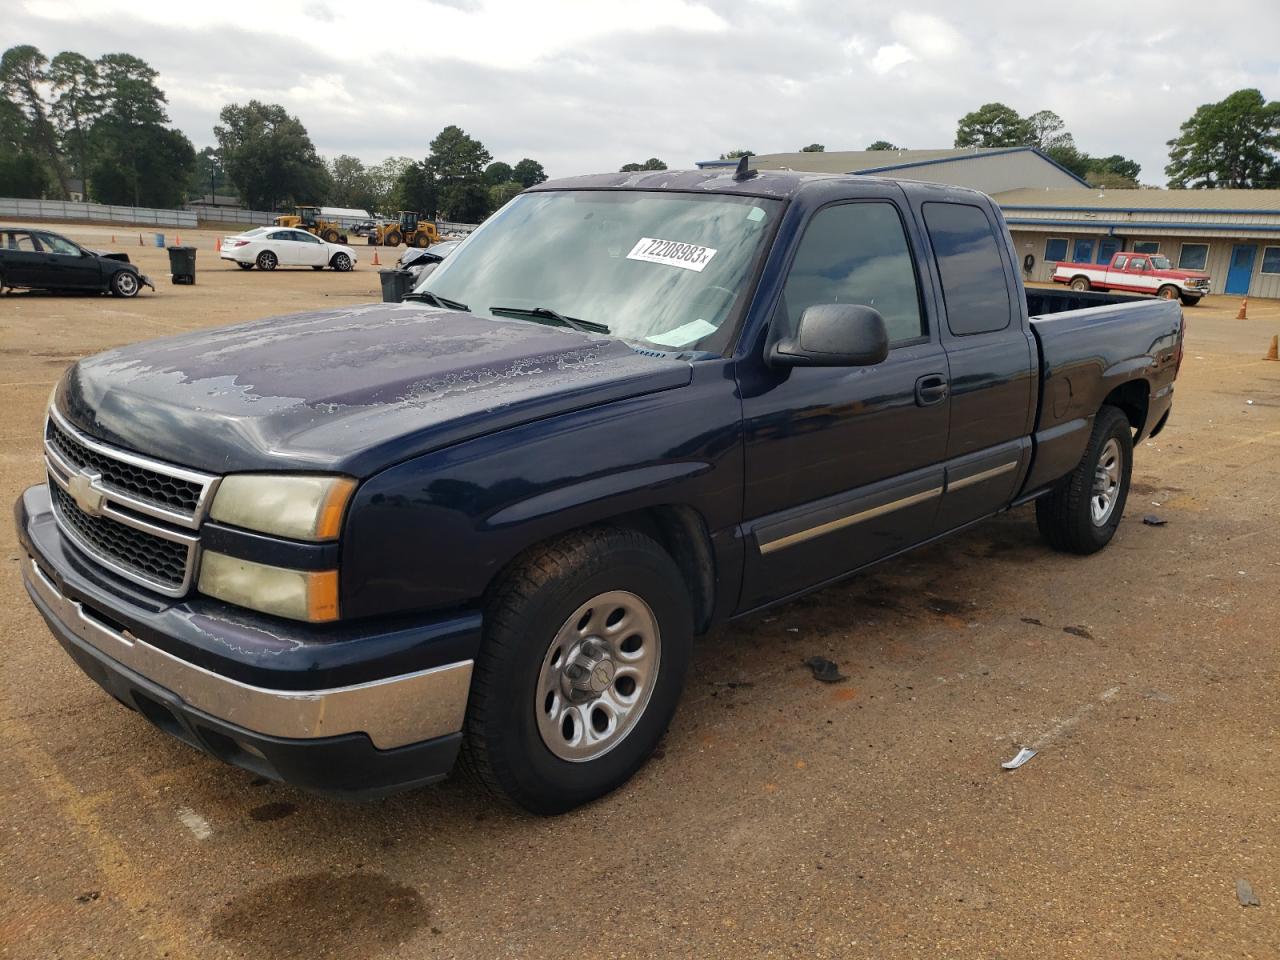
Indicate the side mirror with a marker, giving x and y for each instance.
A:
(834, 335)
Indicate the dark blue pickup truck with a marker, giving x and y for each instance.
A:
(339, 548)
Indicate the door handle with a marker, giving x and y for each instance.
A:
(930, 389)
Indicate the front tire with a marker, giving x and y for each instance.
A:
(392, 239)
(1189, 301)
(330, 236)
(267, 261)
(585, 649)
(1080, 284)
(1082, 512)
(422, 241)
(340, 262)
(124, 284)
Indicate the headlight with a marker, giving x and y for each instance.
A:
(299, 506)
(297, 594)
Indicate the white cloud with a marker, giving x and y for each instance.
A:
(890, 56)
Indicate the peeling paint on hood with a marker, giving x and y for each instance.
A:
(349, 390)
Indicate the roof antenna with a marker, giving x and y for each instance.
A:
(743, 173)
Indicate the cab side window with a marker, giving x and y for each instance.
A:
(20, 242)
(52, 243)
(1138, 264)
(282, 235)
(974, 285)
(1120, 263)
(856, 253)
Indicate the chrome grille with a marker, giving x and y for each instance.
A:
(151, 559)
(135, 516)
(163, 489)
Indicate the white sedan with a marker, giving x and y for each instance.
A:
(269, 247)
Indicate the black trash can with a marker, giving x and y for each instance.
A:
(182, 264)
(395, 284)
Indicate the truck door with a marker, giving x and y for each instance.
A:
(843, 464)
(992, 360)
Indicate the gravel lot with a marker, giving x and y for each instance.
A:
(783, 817)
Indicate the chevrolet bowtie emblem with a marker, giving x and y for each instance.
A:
(80, 486)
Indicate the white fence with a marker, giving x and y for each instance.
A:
(13, 209)
(67, 210)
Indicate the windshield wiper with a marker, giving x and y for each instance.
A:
(426, 296)
(540, 314)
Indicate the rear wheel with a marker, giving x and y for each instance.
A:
(124, 283)
(317, 268)
(1082, 513)
(1080, 283)
(340, 262)
(244, 266)
(421, 241)
(393, 239)
(1168, 292)
(585, 649)
(267, 260)
(331, 236)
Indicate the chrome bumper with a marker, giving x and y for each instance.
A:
(393, 712)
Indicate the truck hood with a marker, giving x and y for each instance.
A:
(350, 390)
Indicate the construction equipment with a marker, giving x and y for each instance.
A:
(309, 219)
(411, 229)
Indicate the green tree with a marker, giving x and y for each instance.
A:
(22, 173)
(208, 175)
(386, 183)
(1047, 131)
(75, 80)
(501, 193)
(528, 172)
(416, 189)
(993, 125)
(23, 74)
(653, 163)
(814, 148)
(1115, 171)
(730, 155)
(458, 162)
(498, 172)
(883, 145)
(1231, 143)
(353, 186)
(269, 156)
(136, 159)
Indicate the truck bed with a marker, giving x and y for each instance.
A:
(1089, 344)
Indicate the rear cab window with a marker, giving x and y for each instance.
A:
(975, 286)
(856, 253)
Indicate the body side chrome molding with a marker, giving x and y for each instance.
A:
(983, 475)
(392, 712)
(768, 546)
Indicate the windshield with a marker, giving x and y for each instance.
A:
(1160, 263)
(667, 269)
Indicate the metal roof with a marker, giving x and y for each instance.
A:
(859, 161)
(1261, 202)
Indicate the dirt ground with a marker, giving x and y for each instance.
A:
(782, 817)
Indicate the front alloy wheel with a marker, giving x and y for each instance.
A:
(124, 284)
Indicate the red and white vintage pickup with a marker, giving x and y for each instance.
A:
(1139, 273)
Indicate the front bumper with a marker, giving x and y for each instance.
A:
(310, 728)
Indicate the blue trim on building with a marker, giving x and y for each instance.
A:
(1241, 213)
(1139, 225)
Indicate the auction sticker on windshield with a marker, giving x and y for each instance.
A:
(688, 256)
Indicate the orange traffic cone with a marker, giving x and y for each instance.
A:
(1244, 309)
(179, 240)
(218, 244)
(113, 238)
(1274, 352)
(376, 261)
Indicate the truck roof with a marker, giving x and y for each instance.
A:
(778, 184)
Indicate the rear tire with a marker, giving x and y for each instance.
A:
(393, 239)
(244, 266)
(421, 241)
(317, 268)
(586, 643)
(1168, 292)
(330, 236)
(267, 261)
(1081, 284)
(1082, 512)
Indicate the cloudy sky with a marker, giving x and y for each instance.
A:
(587, 85)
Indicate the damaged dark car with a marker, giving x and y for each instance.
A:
(44, 260)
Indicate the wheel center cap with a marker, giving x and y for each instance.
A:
(590, 672)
